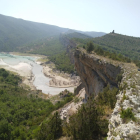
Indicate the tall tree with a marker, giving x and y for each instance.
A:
(90, 47)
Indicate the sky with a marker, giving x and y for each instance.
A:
(123, 16)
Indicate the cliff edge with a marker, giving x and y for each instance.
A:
(94, 72)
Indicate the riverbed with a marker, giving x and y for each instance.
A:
(25, 64)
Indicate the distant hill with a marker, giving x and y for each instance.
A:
(126, 45)
(46, 46)
(94, 34)
(76, 35)
(15, 33)
(89, 34)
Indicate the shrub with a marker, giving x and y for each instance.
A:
(87, 123)
(108, 96)
(124, 97)
(127, 115)
(119, 77)
(76, 100)
(90, 47)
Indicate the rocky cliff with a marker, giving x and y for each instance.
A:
(128, 97)
(95, 73)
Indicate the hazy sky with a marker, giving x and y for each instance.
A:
(123, 16)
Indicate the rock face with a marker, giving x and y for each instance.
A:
(118, 129)
(94, 73)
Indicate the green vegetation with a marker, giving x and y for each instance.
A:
(108, 97)
(115, 46)
(90, 47)
(66, 99)
(47, 46)
(76, 35)
(125, 45)
(119, 77)
(62, 62)
(17, 32)
(76, 100)
(124, 97)
(21, 112)
(26, 116)
(137, 62)
(90, 122)
(127, 115)
(51, 129)
(87, 123)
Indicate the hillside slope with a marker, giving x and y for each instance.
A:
(126, 45)
(16, 32)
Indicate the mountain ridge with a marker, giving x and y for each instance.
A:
(15, 32)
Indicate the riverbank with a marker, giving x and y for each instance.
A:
(39, 75)
(24, 70)
(60, 79)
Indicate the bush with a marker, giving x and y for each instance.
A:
(51, 130)
(119, 77)
(108, 97)
(127, 115)
(76, 100)
(87, 123)
(90, 47)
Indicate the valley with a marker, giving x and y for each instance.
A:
(38, 76)
(63, 84)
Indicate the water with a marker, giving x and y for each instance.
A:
(41, 82)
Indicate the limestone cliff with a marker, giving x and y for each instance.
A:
(94, 73)
(129, 97)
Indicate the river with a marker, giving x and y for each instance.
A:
(41, 82)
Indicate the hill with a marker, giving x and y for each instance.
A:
(18, 32)
(94, 34)
(76, 35)
(126, 45)
(115, 43)
(46, 46)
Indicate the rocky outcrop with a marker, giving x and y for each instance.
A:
(63, 83)
(118, 129)
(94, 72)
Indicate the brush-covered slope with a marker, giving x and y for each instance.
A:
(16, 32)
(127, 45)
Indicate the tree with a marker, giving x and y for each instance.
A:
(87, 123)
(5, 130)
(90, 47)
(50, 130)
